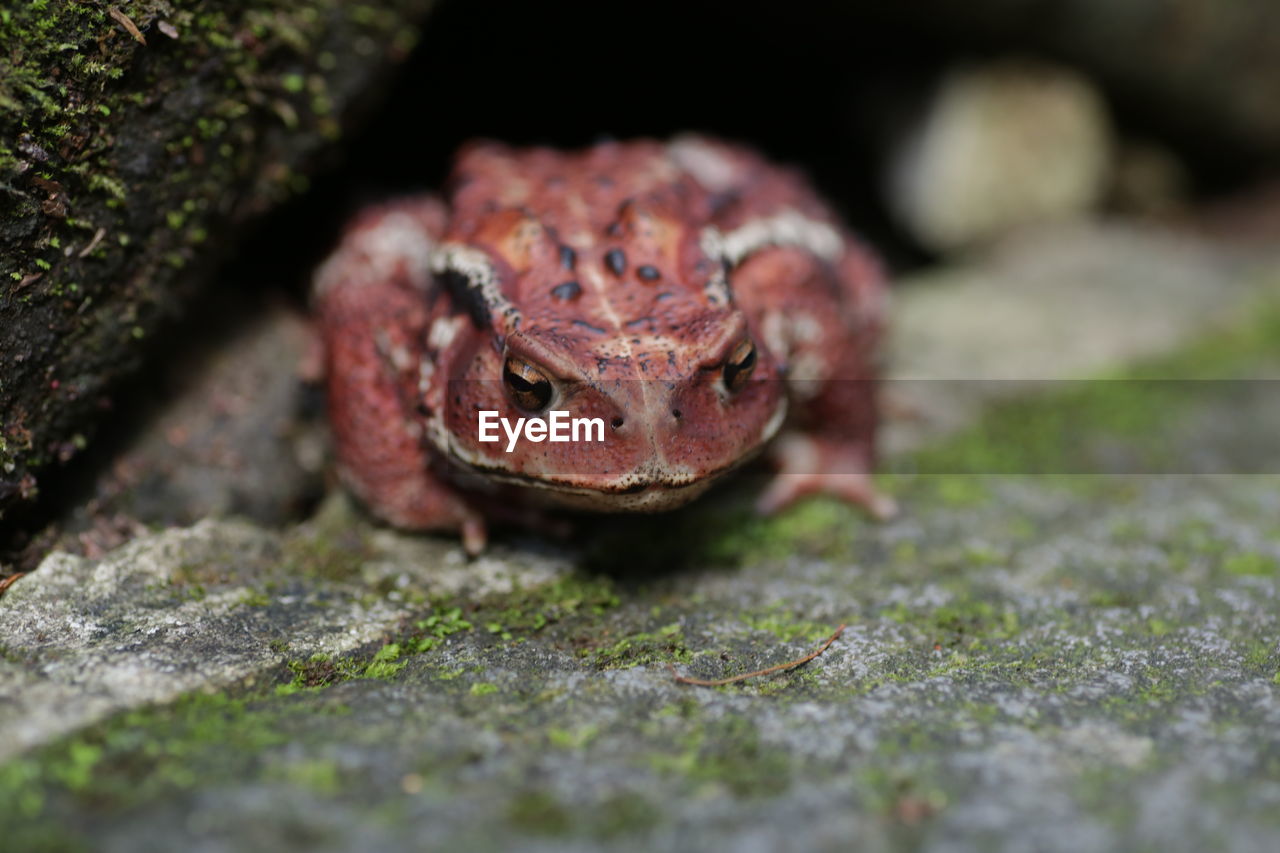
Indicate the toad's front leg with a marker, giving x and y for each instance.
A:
(371, 301)
(829, 447)
(817, 464)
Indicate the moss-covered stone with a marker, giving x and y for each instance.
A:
(136, 141)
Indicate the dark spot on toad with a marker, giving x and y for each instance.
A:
(616, 261)
(648, 272)
(567, 291)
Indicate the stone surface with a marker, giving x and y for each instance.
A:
(208, 606)
(1054, 303)
(1031, 662)
(1019, 670)
(230, 428)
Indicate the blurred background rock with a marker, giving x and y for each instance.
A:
(996, 148)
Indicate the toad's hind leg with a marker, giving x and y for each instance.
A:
(829, 447)
(371, 301)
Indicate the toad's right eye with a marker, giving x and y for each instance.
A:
(742, 361)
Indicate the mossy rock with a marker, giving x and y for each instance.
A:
(136, 142)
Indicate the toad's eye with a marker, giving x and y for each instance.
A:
(529, 387)
(737, 370)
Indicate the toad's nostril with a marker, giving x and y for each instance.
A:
(617, 423)
(676, 413)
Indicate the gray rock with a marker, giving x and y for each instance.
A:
(206, 607)
(1021, 673)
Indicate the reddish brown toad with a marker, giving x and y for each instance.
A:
(687, 297)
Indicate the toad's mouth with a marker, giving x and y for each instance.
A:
(629, 493)
(654, 484)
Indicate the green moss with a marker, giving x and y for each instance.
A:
(787, 625)
(624, 814)
(1050, 434)
(332, 546)
(386, 662)
(442, 623)
(723, 529)
(528, 611)
(320, 671)
(20, 783)
(255, 598)
(76, 770)
(1251, 564)
(573, 739)
(643, 648)
(83, 105)
(1262, 658)
(319, 775)
(540, 813)
(962, 491)
(901, 795)
(141, 755)
(962, 621)
(483, 688)
(1104, 598)
(726, 753)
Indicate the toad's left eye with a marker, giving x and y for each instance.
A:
(737, 369)
(528, 386)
